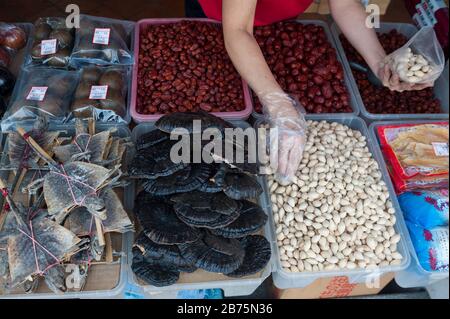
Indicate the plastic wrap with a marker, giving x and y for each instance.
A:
(5, 57)
(41, 92)
(52, 43)
(431, 245)
(417, 154)
(421, 60)
(12, 36)
(287, 134)
(428, 208)
(103, 41)
(7, 81)
(102, 91)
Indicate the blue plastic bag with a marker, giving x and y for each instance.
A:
(431, 246)
(426, 208)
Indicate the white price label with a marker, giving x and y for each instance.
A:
(48, 47)
(440, 149)
(98, 92)
(101, 36)
(37, 93)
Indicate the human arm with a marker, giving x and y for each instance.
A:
(351, 18)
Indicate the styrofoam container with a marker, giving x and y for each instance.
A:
(284, 279)
(440, 87)
(230, 286)
(414, 275)
(139, 118)
(354, 103)
(117, 291)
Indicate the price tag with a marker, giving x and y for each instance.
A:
(48, 47)
(37, 93)
(440, 149)
(98, 92)
(101, 36)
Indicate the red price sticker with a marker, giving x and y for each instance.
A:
(101, 36)
(37, 93)
(48, 47)
(98, 92)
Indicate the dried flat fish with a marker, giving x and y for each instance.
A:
(84, 147)
(21, 154)
(82, 223)
(75, 184)
(36, 245)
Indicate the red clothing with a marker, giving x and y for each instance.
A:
(267, 11)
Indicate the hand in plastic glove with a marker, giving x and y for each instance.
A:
(392, 80)
(287, 135)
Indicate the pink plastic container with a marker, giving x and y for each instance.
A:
(139, 118)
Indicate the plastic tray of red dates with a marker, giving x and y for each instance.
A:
(379, 104)
(304, 60)
(181, 66)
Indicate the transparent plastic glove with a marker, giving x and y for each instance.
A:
(287, 134)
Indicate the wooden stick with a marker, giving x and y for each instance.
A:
(108, 248)
(98, 222)
(35, 145)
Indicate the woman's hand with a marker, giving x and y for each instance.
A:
(287, 135)
(392, 80)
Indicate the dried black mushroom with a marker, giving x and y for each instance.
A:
(151, 138)
(214, 254)
(152, 163)
(216, 202)
(257, 255)
(185, 180)
(252, 218)
(163, 254)
(155, 274)
(160, 223)
(240, 186)
(172, 121)
(204, 218)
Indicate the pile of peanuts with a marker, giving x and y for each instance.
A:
(411, 67)
(337, 213)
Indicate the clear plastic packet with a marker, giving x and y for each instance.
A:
(103, 41)
(420, 60)
(431, 246)
(52, 43)
(102, 93)
(426, 208)
(288, 130)
(40, 92)
(415, 150)
(7, 81)
(5, 57)
(12, 36)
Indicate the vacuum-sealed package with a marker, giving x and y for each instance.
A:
(431, 246)
(426, 208)
(41, 93)
(103, 41)
(12, 37)
(101, 93)
(52, 44)
(417, 154)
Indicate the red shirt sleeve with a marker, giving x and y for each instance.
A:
(267, 11)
